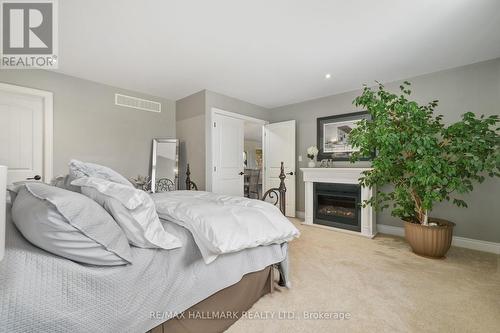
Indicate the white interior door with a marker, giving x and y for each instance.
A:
(22, 135)
(228, 147)
(279, 146)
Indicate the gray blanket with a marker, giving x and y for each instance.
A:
(41, 292)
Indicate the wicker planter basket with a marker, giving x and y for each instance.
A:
(431, 242)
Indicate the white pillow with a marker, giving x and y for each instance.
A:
(65, 183)
(79, 169)
(132, 209)
(70, 225)
(16, 186)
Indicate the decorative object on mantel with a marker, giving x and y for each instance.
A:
(326, 164)
(312, 152)
(425, 161)
(333, 136)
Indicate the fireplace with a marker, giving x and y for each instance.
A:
(338, 195)
(337, 205)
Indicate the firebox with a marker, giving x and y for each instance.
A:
(338, 205)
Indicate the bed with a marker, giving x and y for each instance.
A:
(41, 292)
(225, 254)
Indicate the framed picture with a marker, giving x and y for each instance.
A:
(333, 133)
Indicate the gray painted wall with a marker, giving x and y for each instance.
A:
(226, 103)
(473, 88)
(190, 126)
(88, 126)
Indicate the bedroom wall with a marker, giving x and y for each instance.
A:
(190, 125)
(473, 88)
(88, 126)
(227, 103)
(193, 129)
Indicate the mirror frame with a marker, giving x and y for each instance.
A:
(156, 141)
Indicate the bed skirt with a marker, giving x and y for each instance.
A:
(219, 311)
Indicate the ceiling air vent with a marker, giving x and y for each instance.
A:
(137, 103)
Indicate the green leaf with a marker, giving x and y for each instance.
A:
(424, 160)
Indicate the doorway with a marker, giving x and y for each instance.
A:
(228, 161)
(239, 169)
(252, 187)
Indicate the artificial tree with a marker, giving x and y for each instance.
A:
(425, 161)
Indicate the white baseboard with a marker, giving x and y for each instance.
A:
(476, 244)
(468, 243)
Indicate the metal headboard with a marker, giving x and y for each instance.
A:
(278, 193)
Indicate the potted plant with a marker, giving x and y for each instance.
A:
(312, 152)
(423, 161)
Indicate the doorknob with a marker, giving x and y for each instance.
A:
(290, 173)
(37, 177)
(241, 173)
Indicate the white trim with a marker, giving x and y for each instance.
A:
(345, 231)
(48, 111)
(209, 160)
(289, 167)
(476, 244)
(238, 116)
(300, 214)
(468, 243)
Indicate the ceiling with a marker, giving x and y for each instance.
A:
(270, 53)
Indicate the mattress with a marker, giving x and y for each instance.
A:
(41, 292)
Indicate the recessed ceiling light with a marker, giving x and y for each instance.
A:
(328, 75)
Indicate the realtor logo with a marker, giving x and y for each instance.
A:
(29, 34)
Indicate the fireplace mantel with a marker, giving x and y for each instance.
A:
(340, 176)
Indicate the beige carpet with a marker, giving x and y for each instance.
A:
(383, 286)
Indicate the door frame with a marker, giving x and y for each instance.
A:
(265, 185)
(209, 163)
(48, 123)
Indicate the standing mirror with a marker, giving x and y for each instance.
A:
(164, 165)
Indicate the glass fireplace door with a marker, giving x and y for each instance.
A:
(337, 205)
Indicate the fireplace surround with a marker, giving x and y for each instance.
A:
(333, 200)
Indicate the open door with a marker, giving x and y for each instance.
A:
(228, 147)
(279, 146)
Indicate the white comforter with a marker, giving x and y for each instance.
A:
(42, 292)
(224, 224)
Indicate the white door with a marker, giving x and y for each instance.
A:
(279, 146)
(228, 146)
(22, 135)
